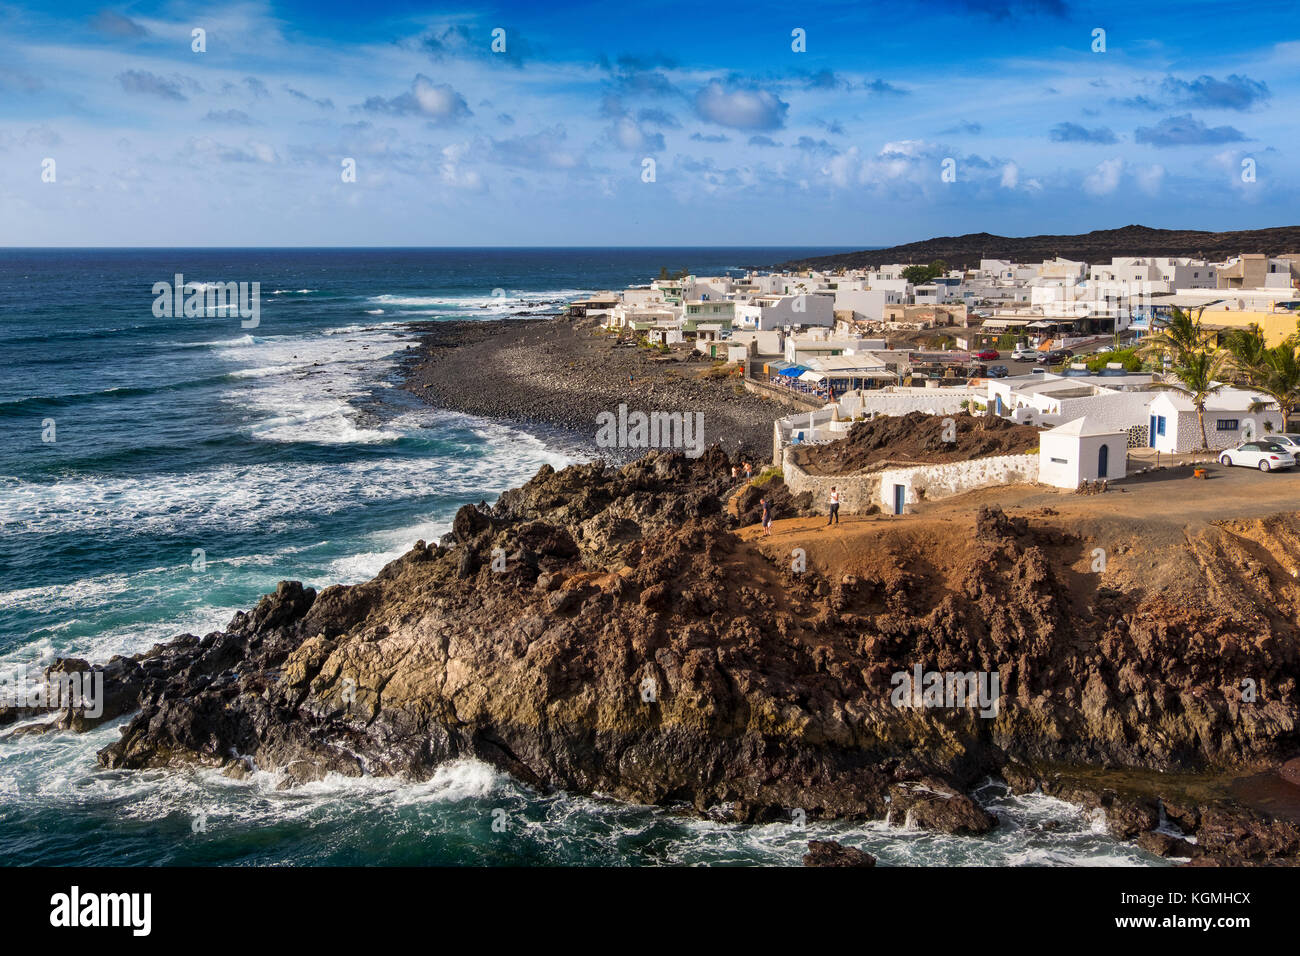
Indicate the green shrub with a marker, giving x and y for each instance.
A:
(1131, 360)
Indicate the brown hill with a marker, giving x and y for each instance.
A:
(1097, 246)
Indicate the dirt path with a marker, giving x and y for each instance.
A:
(1148, 532)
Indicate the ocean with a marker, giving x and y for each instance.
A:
(159, 473)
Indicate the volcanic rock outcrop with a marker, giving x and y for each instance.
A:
(607, 631)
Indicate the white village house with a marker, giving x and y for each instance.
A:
(1081, 450)
(1174, 425)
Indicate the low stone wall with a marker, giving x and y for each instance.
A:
(860, 490)
(796, 400)
(933, 482)
(932, 401)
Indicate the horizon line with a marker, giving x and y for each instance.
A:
(424, 248)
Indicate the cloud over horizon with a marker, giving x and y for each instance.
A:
(544, 136)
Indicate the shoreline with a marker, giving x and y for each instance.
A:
(763, 698)
(554, 376)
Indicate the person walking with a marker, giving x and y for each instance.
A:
(835, 508)
(735, 473)
(749, 471)
(767, 517)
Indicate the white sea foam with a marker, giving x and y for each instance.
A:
(304, 384)
(511, 301)
(272, 497)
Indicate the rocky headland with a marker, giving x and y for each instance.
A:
(621, 632)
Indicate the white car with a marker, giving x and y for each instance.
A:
(1105, 348)
(1263, 455)
(1025, 355)
(1288, 440)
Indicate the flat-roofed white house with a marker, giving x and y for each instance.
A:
(1081, 450)
(1175, 427)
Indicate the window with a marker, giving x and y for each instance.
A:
(1160, 424)
(1226, 425)
(1059, 461)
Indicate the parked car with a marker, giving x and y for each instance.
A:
(998, 371)
(1025, 355)
(1264, 455)
(987, 355)
(1105, 348)
(1290, 441)
(1038, 370)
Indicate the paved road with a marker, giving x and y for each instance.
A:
(1024, 368)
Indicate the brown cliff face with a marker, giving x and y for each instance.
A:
(633, 645)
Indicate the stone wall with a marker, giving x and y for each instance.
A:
(933, 482)
(786, 397)
(932, 401)
(858, 491)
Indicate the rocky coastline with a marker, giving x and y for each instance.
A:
(611, 631)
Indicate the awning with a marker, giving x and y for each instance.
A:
(794, 371)
(811, 376)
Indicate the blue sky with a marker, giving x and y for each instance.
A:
(546, 143)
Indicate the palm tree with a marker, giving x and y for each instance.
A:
(1248, 353)
(1197, 377)
(1280, 380)
(1180, 334)
(1274, 371)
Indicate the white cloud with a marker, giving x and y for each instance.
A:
(1150, 178)
(740, 107)
(1104, 180)
(453, 172)
(438, 100)
(627, 134)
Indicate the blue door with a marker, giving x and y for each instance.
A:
(1103, 459)
(997, 404)
(1151, 433)
(900, 495)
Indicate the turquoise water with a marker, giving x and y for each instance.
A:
(196, 462)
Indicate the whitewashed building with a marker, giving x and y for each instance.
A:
(1081, 450)
(1175, 427)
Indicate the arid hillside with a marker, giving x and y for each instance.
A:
(963, 252)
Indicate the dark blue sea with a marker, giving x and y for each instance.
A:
(158, 474)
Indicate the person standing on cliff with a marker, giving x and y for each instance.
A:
(735, 473)
(749, 471)
(767, 517)
(835, 508)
